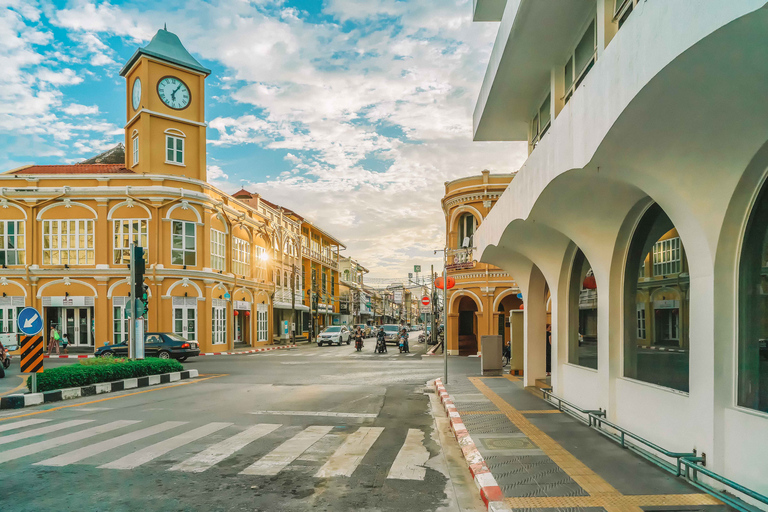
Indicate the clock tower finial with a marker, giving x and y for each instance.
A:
(165, 129)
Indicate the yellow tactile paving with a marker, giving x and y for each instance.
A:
(601, 493)
(479, 412)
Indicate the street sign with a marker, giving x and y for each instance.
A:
(410, 275)
(32, 354)
(460, 266)
(398, 296)
(425, 309)
(30, 321)
(417, 268)
(227, 296)
(425, 300)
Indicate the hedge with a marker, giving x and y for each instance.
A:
(74, 376)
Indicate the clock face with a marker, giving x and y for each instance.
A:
(173, 92)
(136, 100)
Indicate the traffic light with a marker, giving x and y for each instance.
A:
(140, 290)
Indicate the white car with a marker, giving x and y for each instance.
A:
(334, 334)
(391, 333)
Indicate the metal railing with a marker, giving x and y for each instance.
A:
(686, 465)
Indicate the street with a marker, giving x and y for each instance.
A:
(301, 429)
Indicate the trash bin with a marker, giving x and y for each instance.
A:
(490, 355)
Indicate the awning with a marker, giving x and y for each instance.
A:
(285, 305)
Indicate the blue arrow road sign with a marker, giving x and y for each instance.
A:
(30, 321)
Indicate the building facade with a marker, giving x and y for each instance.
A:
(355, 306)
(639, 218)
(484, 296)
(320, 278)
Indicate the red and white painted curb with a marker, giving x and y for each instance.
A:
(88, 356)
(281, 347)
(490, 491)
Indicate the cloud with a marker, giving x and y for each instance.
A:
(75, 109)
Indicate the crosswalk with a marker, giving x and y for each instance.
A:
(330, 353)
(343, 449)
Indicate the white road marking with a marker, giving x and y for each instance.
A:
(92, 409)
(31, 449)
(319, 413)
(103, 446)
(42, 430)
(149, 453)
(19, 424)
(349, 455)
(410, 460)
(220, 451)
(276, 460)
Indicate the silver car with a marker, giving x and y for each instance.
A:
(334, 334)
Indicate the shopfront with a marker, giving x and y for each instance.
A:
(73, 317)
(242, 321)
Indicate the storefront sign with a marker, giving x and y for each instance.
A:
(666, 304)
(241, 305)
(71, 301)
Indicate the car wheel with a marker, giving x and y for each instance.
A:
(319, 343)
(164, 354)
(107, 353)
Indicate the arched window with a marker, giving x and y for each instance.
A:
(467, 226)
(582, 303)
(286, 281)
(656, 300)
(753, 310)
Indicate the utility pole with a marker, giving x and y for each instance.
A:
(445, 317)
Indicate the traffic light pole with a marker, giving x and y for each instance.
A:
(132, 305)
(137, 304)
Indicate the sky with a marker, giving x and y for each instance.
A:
(353, 113)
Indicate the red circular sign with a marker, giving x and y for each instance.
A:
(425, 300)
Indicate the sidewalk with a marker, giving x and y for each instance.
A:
(542, 458)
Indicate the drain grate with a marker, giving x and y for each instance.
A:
(488, 424)
(529, 476)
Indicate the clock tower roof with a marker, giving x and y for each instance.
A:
(166, 46)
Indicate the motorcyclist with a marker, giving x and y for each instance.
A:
(404, 341)
(359, 338)
(381, 341)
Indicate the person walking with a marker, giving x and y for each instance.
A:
(64, 343)
(53, 341)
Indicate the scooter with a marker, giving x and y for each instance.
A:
(404, 344)
(358, 344)
(422, 338)
(5, 357)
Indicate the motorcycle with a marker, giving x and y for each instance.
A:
(5, 357)
(381, 343)
(358, 344)
(404, 343)
(422, 338)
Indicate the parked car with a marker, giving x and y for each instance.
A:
(391, 332)
(334, 334)
(156, 344)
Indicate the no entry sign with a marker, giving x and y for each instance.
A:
(425, 300)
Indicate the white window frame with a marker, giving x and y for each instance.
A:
(59, 245)
(219, 322)
(19, 250)
(667, 257)
(184, 305)
(123, 233)
(135, 143)
(641, 325)
(8, 316)
(463, 221)
(537, 130)
(622, 10)
(175, 145)
(262, 322)
(218, 250)
(578, 76)
(184, 249)
(241, 257)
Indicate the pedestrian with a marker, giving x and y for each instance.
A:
(64, 343)
(53, 341)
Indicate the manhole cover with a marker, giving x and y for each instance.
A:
(508, 443)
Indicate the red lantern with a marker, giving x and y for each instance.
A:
(522, 306)
(236, 313)
(247, 314)
(439, 283)
(589, 282)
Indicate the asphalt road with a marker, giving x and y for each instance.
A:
(326, 429)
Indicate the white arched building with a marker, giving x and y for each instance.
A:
(643, 201)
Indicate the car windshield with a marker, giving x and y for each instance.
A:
(392, 328)
(332, 329)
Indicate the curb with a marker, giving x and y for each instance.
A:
(281, 347)
(490, 491)
(88, 356)
(20, 401)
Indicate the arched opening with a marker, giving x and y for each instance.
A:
(465, 229)
(467, 326)
(656, 297)
(582, 314)
(753, 310)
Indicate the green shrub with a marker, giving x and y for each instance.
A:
(104, 360)
(77, 375)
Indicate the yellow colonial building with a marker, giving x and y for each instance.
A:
(485, 297)
(65, 230)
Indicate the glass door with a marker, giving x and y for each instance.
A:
(83, 326)
(69, 325)
(184, 322)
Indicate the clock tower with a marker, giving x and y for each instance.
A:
(165, 93)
